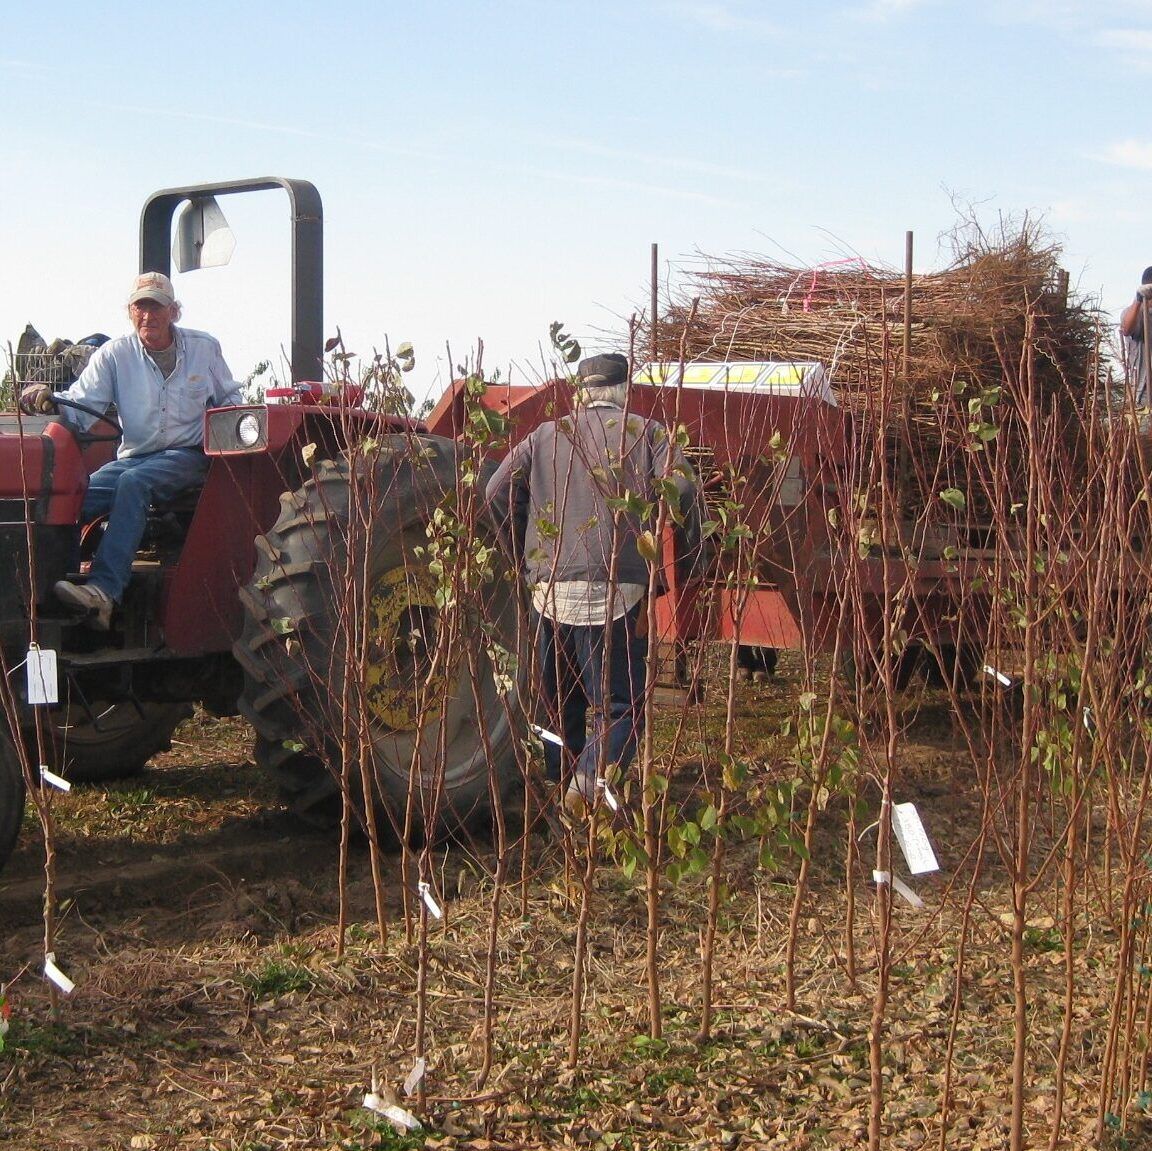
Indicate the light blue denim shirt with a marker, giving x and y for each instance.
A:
(155, 413)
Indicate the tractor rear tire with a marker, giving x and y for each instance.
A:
(440, 733)
(121, 739)
(11, 797)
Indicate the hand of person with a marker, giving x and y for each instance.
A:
(1144, 291)
(36, 399)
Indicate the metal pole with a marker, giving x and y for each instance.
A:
(907, 302)
(655, 305)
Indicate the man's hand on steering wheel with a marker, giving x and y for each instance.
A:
(37, 400)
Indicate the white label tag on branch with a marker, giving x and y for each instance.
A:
(41, 668)
(51, 971)
(880, 878)
(399, 1118)
(544, 733)
(901, 888)
(913, 839)
(415, 1075)
(430, 901)
(609, 798)
(54, 779)
(1002, 679)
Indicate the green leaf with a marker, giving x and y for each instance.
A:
(954, 498)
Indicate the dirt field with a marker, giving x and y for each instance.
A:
(212, 1010)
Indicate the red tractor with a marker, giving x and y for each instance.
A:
(249, 603)
(239, 597)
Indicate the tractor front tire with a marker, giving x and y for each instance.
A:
(11, 797)
(376, 663)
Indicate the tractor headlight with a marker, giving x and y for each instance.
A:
(248, 430)
(236, 430)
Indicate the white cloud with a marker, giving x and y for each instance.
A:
(726, 17)
(1073, 16)
(1135, 40)
(622, 184)
(631, 161)
(1129, 154)
(1062, 15)
(882, 10)
(1069, 211)
(1132, 45)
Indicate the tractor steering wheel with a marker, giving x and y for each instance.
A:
(88, 437)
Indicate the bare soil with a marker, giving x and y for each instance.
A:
(213, 1008)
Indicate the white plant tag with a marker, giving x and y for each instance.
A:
(913, 839)
(1002, 679)
(41, 669)
(430, 901)
(415, 1075)
(609, 798)
(54, 779)
(544, 733)
(901, 888)
(51, 971)
(399, 1118)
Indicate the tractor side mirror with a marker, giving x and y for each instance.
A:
(203, 237)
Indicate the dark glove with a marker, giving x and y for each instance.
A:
(36, 399)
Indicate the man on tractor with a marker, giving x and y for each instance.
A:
(161, 379)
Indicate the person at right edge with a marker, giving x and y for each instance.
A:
(1135, 356)
(569, 499)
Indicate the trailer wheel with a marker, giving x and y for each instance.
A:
(957, 663)
(107, 740)
(11, 797)
(438, 729)
(867, 674)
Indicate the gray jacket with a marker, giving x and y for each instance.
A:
(556, 496)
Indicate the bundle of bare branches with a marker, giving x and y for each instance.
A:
(995, 338)
(1001, 295)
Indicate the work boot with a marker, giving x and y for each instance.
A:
(96, 602)
(579, 798)
(575, 805)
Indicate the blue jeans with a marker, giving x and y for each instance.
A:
(572, 663)
(124, 489)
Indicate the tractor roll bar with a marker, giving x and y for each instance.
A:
(307, 255)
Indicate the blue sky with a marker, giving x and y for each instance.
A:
(489, 168)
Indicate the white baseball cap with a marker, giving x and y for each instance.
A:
(152, 286)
